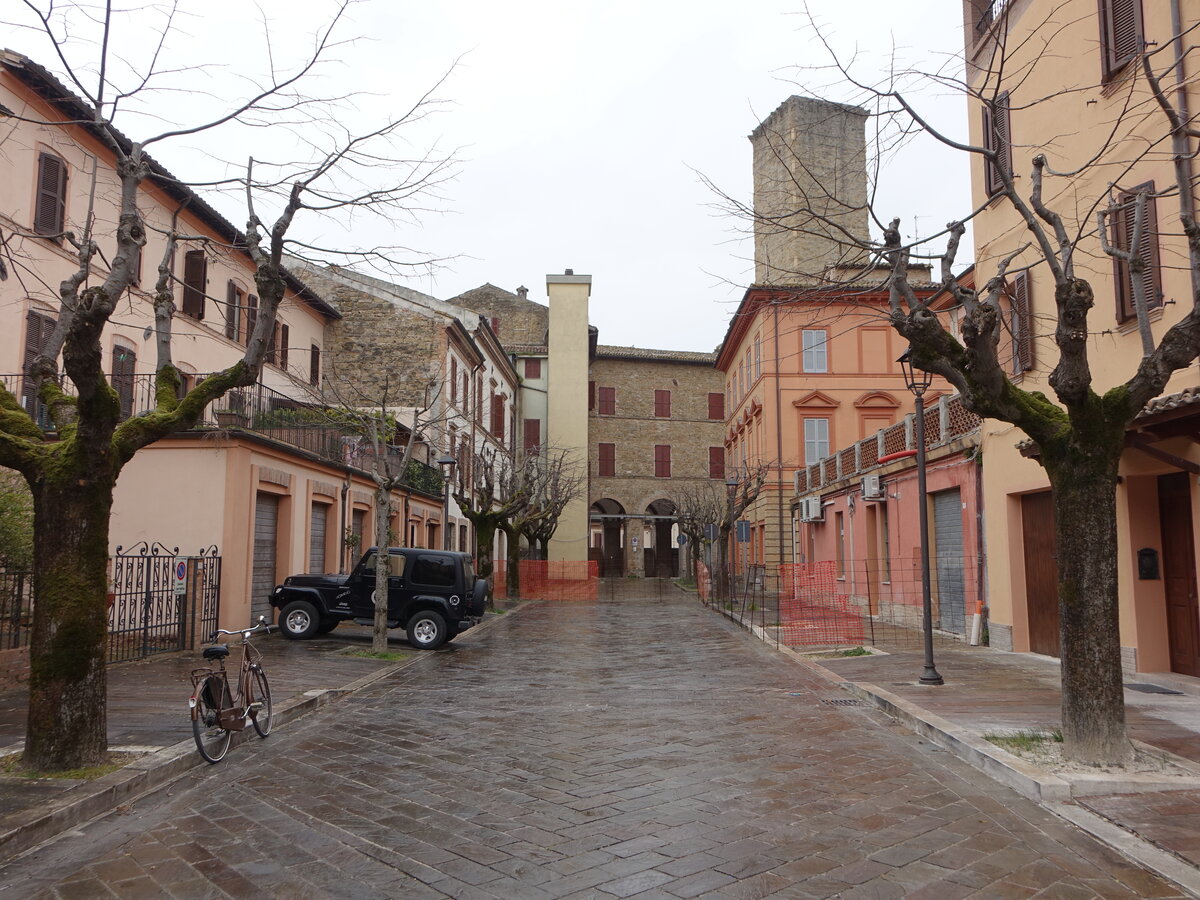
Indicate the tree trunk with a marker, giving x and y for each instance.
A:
(383, 569)
(722, 583)
(67, 726)
(485, 543)
(512, 577)
(1093, 701)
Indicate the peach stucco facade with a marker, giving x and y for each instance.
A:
(1064, 105)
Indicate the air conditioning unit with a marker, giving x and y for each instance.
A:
(811, 510)
(872, 488)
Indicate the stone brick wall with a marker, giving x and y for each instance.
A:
(519, 320)
(809, 155)
(635, 430)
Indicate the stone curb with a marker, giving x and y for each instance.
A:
(23, 830)
(1052, 792)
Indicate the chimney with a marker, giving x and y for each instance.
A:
(523, 292)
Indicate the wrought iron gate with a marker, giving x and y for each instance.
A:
(148, 613)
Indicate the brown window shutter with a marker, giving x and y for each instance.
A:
(997, 136)
(533, 368)
(283, 346)
(662, 460)
(231, 310)
(1120, 34)
(38, 329)
(716, 406)
(314, 366)
(251, 316)
(607, 460)
(1122, 234)
(273, 345)
(1022, 324)
(608, 401)
(195, 281)
(50, 210)
(716, 462)
(591, 395)
(533, 435)
(453, 382)
(662, 404)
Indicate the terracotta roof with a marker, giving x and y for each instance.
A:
(1169, 402)
(604, 351)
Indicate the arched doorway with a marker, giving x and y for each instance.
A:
(608, 537)
(661, 554)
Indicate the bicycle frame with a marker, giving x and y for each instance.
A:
(233, 715)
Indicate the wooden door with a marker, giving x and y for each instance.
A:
(1179, 572)
(1041, 572)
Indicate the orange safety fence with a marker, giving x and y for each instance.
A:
(543, 579)
(812, 612)
(703, 582)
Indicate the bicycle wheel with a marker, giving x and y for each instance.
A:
(260, 692)
(211, 739)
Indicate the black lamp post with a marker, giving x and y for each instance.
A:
(918, 381)
(731, 485)
(447, 462)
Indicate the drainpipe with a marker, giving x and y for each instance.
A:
(779, 450)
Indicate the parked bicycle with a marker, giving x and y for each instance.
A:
(217, 711)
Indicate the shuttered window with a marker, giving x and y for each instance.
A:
(314, 366)
(251, 316)
(1021, 323)
(234, 297)
(454, 381)
(607, 401)
(1122, 222)
(997, 137)
(591, 395)
(533, 368)
(716, 406)
(50, 209)
(123, 366)
(662, 404)
(662, 460)
(283, 346)
(498, 416)
(716, 462)
(195, 281)
(1120, 34)
(533, 435)
(38, 329)
(607, 460)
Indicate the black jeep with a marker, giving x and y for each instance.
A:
(434, 594)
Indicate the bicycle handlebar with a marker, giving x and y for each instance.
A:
(262, 626)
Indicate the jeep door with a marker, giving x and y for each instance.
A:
(363, 587)
(431, 574)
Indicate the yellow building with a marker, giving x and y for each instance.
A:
(1067, 83)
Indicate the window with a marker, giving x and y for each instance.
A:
(466, 393)
(314, 365)
(662, 404)
(885, 543)
(435, 571)
(123, 365)
(816, 440)
(1122, 219)
(607, 460)
(608, 401)
(533, 368)
(283, 345)
(815, 356)
(662, 460)
(498, 416)
(839, 522)
(195, 282)
(1120, 34)
(757, 356)
(716, 462)
(997, 137)
(716, 406)
(533, 435)
(277, 346)
(251, 315)
(234, 298)
(50, 209)
(1021, 322)
(591, 395)
(453, 380)
(38, 328)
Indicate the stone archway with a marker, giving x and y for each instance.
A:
(609, 516)
(661, 556)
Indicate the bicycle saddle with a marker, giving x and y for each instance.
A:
(217, 651)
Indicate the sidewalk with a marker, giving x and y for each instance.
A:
(147, 711)
(1149, 818)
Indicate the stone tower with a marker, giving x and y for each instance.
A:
(809, 166)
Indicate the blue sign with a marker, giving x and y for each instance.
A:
(711, 532)
(682, 539)
(743, 532)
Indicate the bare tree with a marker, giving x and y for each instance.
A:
(1066, 199)
(73, 467)
(738, 499)
(548, 480)
(699, 507)
(484, 492)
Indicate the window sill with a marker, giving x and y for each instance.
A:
(1130, 325)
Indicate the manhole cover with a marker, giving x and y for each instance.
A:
(1151, 689)
(841, 701)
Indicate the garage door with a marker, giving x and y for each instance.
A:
(262, 578)
(947, 517)
(316, 540)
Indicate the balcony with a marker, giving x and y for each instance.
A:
(306, 425)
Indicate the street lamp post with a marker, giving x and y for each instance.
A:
(447, 462)
(731, 484)
(918, 381)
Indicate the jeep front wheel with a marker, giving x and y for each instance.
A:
(298, 620)
(427, 630)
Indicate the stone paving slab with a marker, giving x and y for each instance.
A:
(629, 748)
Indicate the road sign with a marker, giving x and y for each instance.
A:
(682, 539)
(711, 532)
(743, 532)
(180, 576)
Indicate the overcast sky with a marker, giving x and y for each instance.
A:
(581, 126)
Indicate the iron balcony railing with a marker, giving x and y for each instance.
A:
(946, 419)
(306, 424)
